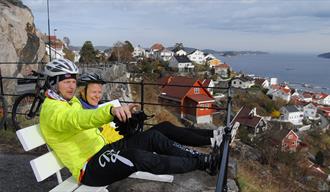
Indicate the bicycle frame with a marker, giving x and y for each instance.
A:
(37, 95)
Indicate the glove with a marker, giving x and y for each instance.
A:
(132, 126)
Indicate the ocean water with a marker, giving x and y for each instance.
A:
(302, 71)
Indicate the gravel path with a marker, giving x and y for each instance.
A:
(16, 175)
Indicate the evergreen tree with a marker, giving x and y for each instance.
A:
(87, 53)
(319, 158)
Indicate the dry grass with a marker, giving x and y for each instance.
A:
(151, 93)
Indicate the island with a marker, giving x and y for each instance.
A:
(325, 55)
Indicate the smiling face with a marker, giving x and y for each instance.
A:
(94, 93)
(67, 88)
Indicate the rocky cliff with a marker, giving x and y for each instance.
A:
(19, 41)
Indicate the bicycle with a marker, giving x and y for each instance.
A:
(26, 108)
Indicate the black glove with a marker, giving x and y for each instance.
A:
(133, 125)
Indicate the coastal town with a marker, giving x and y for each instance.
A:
(290, 119)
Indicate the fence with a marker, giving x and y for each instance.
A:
(222, 177)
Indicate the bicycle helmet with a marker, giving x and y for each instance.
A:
(60, 67)
(92, 77)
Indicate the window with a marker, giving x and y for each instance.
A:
(196, 90)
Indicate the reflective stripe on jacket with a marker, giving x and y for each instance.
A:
(72, 132)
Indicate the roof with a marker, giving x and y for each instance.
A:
(291, 108)
(164, 80)
(182, 59)
(200, 97)
(157, 46)
(244, 78)
(178, 92)
(206, 82)
(244, 118)
(259, 81)
(222, 66)
(279, 134)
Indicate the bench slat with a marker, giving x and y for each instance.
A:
(152, 177)
(45, 166)
(85, 188)
(30, 137)
(69, 184)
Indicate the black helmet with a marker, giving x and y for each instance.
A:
(92, 77)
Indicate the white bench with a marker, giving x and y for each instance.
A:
(47, 164)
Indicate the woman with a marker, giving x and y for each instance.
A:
(90, 94)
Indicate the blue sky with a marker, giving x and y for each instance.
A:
(265, 25)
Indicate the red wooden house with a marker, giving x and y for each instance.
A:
(287, 139)
(193, 99)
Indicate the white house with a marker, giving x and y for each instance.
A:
(322, 99)
(180, 52)
(182, 63)
(166, 54)
(55, 53)
(264, 83)
(242, 82)
(280, 92)
(310, 111)
(209, 83)
(197, 56)
(273, 81)
(292, 114)
(209, 56)
(139, 52)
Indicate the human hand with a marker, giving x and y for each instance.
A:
(123, 113)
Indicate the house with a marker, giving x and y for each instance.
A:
(322, 98)
(197, 56)
(166, 55)
(264, 83)
(222, 69)
(213, 62)
(209, 84)
(248, 118)
(279, 92)
(310, 111)
(286, 139)
(209, 56)
(157, 47)
(325, 111)
(179, 52)
(193, 99)
(307, 96)
(243, 82)
(139, 52)
(292, 114)
(56, 46)
(182, 63)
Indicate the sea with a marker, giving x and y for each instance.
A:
(300, 71)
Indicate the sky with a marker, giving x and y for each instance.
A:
(293, 26)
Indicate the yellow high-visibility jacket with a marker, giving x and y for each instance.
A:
(72, 132)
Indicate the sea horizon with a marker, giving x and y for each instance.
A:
(304, 71)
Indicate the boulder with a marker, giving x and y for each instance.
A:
(19, 42)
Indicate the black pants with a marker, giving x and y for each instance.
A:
(149, 151)
(185, 136)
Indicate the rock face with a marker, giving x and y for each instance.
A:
(19, 42)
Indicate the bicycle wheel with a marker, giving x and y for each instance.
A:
(3, 111)
(22, 114)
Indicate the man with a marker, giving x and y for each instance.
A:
(72, 132)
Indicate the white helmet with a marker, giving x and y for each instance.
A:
(60, 67)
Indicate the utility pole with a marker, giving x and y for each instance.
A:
(49, 43)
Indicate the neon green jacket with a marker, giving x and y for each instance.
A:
(72, 132)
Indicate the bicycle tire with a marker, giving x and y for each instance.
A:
(3, 111)
(21, 108)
